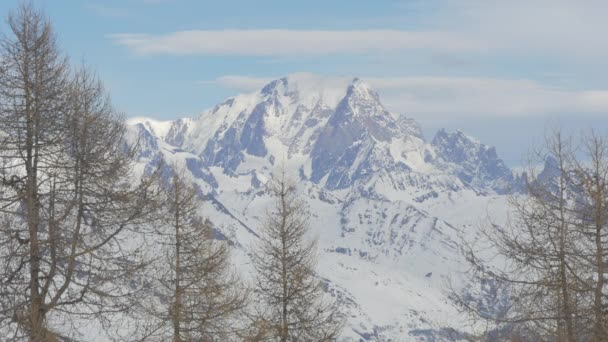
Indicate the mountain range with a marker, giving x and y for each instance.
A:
(389, 207)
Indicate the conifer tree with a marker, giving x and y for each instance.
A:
(199, 297)
(294, 306)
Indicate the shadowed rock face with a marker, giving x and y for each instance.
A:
(224, 151)
(350, 135)
(177, 133)
(199, 171)
(252, 136)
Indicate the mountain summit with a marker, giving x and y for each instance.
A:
(336, 130)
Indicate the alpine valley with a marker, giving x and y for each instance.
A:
(389, 208)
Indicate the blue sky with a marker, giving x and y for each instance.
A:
(502, 71)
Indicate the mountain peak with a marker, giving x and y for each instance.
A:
(363, 90)
(476, 163)
(309, 88)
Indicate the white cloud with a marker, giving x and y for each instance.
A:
(279, 42)
(240, 83)
(556, 29)
(451, 98)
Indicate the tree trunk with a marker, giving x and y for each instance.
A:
(598, 194)
(36, 324)
(285, 326)
(563, 236)
(177, 306)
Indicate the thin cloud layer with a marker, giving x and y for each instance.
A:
(557, 29)
(292, 42)
(462, 97)
(457, 97)
(240, 83)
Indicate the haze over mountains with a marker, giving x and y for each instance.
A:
(388, 205)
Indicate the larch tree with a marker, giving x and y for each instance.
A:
(69, 207)
(590, 177)
(293, 304)
(199, 297)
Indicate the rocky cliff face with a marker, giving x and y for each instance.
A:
(474, 163)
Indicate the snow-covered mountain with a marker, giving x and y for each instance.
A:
(388, 207)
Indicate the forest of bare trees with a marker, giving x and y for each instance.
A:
(551, 256)
(82, 238)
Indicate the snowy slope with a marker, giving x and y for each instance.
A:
(388, 207)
